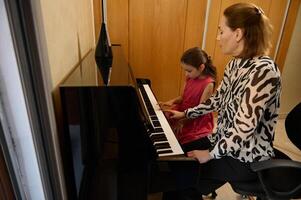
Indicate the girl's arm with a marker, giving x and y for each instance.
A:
(173, 101)
(208, 91)
(206, 94)
(212, 103)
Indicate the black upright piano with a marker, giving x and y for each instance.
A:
(116, 142)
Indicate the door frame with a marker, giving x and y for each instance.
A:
(29, 47)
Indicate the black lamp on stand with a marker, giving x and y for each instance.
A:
(103, 52)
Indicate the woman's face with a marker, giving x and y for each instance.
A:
(230, 41)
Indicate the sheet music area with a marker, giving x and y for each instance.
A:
(116, 139)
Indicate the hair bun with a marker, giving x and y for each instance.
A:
(209, 60)
(259, 11)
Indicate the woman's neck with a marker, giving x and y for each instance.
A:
(239, 49)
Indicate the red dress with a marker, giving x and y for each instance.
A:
(202, 126)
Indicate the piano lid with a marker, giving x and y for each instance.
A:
(87, 73)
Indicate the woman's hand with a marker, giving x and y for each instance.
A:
(202, 156)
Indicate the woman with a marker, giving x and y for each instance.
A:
(247, 102)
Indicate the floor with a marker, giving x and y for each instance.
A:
(281, 142)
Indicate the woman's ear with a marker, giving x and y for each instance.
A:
(238, 34)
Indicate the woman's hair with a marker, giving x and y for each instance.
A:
(195, 57)
(256, 27)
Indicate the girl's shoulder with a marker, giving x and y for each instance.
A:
(199, 82)
(209, 79)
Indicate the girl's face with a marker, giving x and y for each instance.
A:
(230, 41)
(192, 72)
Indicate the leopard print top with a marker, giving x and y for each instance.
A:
(247, 102)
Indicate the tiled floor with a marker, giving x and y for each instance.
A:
(281, 142)
(284, 144)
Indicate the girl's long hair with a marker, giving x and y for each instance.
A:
(195, 57)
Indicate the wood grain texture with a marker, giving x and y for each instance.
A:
(156, 43)
(194, 28)
(155, 33)
(277, 17)
(97, 17)
(287, 33)
(117, 20)
(274, 10)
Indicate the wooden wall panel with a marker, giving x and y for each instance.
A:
(195, 22)
(270, 8)
(154, 34)
(117, 22)
(287, 33)
(156, 43)
(97, 17)
(277, 16)
(194, 28)
(213, 22)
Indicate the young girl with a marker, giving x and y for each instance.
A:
(192, 134)
(200, 79)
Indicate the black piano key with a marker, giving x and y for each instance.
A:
(158, 130)
(156, 123)
(158, 135)
(147, 102)
(158, 138)
(151, 112)
(149, 105)
(164, 145)
(154, 118)
(164, 151)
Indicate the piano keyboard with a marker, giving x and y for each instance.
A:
(163, 138)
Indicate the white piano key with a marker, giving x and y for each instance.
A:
(172, 140)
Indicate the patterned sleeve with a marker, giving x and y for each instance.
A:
(211, 104)
(260, 91)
